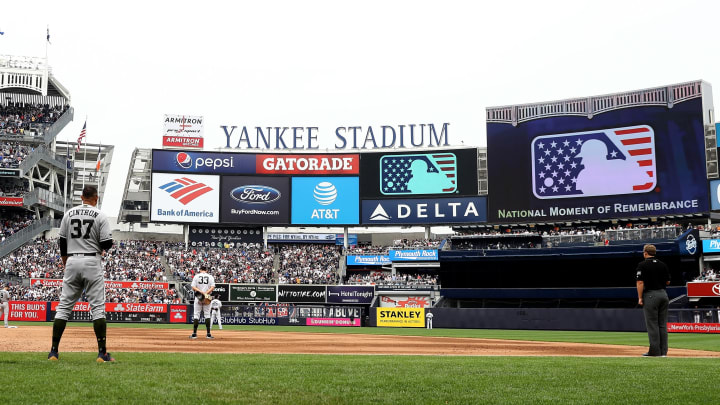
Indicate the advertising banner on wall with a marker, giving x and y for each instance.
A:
(109, 284)
(697, 289)
(252, 293)
(636, 161)
(308, 164)
(419, 174)
(222, 236)
(255, 200)
(183, 131)
(325, 201)
(424, 211)
(711, 245)
(302, 293)
(347, 294)
(185, 198)
(415, 255)
(26, 311)
(367, 260)
(715, 195)
(11, 201)
(401, 317)
(9, 172)
(405, 301)
(202, 162)
(302, 237)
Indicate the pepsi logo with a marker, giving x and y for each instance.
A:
(255, 194)
(183, 160)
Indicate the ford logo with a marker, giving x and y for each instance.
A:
(255, 194)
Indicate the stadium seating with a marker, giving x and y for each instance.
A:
(16, 118)
(246, 263)
(309, 264)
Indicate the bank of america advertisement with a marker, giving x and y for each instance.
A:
(255, 200)
(185, 198)
(450, 172)
(325, 201)
(631, 162)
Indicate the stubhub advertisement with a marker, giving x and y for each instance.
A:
(185, 198)
(325, 200)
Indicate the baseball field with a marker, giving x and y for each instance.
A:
(314, 365)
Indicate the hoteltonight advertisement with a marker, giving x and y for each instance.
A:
(637, 161)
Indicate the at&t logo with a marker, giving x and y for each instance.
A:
(325, 193)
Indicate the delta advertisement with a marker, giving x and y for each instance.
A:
(425, 211)
(325, 201)
(255, 200)
(185, 198)
(630, 162)
(450, 172)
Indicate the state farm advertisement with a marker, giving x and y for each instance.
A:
(308, 164)
(117, 307)
(142, 285)
(178, 313)
(11, 202)
(182, 142)
(694, 327)
(703, 289)
(27, 311)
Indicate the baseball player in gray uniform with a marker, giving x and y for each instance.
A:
(215, 306)
(84, 235)
(203, 284)
(5, 304)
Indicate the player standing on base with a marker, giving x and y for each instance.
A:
(203, 284)
(84, 235)
(215, 306)
(4, 304)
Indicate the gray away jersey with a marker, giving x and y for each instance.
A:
(84, 227)
(4, 296)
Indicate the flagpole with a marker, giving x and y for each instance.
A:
(84, 156)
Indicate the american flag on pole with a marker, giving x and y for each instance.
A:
(594, 163)
(82, 136)
(431, 173)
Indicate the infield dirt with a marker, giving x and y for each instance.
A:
(79, 339)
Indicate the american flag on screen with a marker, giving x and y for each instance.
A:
(594, 163)
(431, 173)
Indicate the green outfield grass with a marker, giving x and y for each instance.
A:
(151, 378)
(695, 341)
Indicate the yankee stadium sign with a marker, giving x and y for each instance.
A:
(355, 137)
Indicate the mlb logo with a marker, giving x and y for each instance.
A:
(594, 163)
(431, 173)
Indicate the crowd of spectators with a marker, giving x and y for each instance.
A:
(708, 275)
(309, 264)
(34, 293)
(386, 278)
(158, 296)
(10, 187)
(135, 260)
(14, 220)
(13, 153)
(17, 118)
(246, 263)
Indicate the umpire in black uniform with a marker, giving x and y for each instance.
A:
(652, 277)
